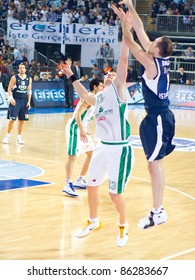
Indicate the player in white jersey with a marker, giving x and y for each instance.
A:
(79, 141)
(112, 157)
(158, 127)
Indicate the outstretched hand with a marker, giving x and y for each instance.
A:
(126, 2)
(125, 18)
(65, 69)
(119, 12)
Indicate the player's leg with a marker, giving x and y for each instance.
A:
(12, 115)
(120, 166)
(80, 182)
(151, 133)
(72, 141)
(69, 165)
(9, 130)
(22, 116)
(97, 175)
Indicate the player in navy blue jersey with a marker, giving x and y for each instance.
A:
(19, 91)
(158, 127)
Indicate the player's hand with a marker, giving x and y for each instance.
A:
(83, 136)
(28, 105)
(13, 102)
(128, 3)
(66, 69)
(119, 12)
(125, 18)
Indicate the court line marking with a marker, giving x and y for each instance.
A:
(135, 177)
(182, 193)
(145, 180)
(179, 254)
(173, 189)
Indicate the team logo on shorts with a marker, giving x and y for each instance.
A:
(182, 144)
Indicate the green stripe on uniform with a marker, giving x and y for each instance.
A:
(125, 127)
(125, 167)
(128, 169)
(74, 144)
(73, 138)
(122, 169)
(122, 108)
(115, 142)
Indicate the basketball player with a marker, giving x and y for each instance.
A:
(79, 141)
(158, 127)
(113, 156)
(19, 91)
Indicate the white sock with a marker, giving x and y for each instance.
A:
(8, 135)
(19, 136)
(68, 181)
(123, 225)
(156, 210)
(80, 178)
(93, 220)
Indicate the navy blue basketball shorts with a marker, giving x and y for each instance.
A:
(156, 133)
(19, 111)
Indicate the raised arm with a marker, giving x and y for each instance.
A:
(121, 73)
(144, 58)
(137, 25)
(79, 88)
(122, 63)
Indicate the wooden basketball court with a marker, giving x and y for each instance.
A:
(40, 223)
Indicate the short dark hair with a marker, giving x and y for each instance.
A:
(21, 64)
(165, 47)
(94, 82)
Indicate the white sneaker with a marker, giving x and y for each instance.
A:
(6, 139)
(122, 237)
(80, 184)
(89, 228)
(153, 219)
(69, 190)
(19, 141)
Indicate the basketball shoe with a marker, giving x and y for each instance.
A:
(90, 226)
(19, 141)
(69, 190)
(153, 219)
(6, 139)
(80, 183)
(122, 237)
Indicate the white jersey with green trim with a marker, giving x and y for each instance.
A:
(111, 116)
(87, 116)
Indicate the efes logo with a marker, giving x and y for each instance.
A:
(182, 144)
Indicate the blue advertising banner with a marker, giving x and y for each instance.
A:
(182, 95)
(48, 94)
(51, 94)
